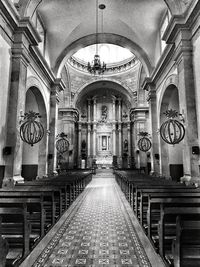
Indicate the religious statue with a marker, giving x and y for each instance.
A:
(125, 145)
(104, 111)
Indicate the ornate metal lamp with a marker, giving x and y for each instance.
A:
(62, 143)
(172, 131)
(96, 67)
(144, 144)
(31, 130)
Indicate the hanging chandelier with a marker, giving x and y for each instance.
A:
(31, 130)
(144, 143)
(96, 67)
(172, 131)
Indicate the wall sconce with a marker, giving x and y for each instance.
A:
(7, 150)
(195, 150)
(148, 154)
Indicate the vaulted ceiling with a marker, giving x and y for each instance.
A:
(70, 24)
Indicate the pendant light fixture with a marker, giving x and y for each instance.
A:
(96, 67)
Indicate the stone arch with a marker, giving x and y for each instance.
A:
(104, 38)
(28, 8)
(170, 80)
(34, 158)
(33, 81)
(125, 90)
(171, 156)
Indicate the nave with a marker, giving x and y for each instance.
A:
(99, 229)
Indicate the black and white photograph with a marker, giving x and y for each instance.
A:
(99, 133)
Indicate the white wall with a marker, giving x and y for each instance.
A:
(4, 90)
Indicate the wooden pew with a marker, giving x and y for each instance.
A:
(149, 197)
(35, 208)
(3, 247)
(52, 196)
(186, 245)
(47, 198)
(168, 216)
(152, 196)
(17, 231)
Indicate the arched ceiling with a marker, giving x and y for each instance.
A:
(68, 21)
(104, 88)
(71, 20)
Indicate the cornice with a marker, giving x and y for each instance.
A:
(139, 109)
(59, 83)
(26, 26)
(147, 83)
(69, 110)
(180, 22)
(43, 65)
(115, 68)
(9, 10)
(165, 58)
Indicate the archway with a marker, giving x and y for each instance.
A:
(34, 157)
(103, 38)
(28, 8)
(104, 124)
(171, 155)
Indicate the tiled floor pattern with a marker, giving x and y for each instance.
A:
(100, 233)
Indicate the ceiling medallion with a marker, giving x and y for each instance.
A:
(96, 67)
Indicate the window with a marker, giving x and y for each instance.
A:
(163, 27)
(41, 31)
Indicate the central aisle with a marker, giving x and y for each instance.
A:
(99, 233)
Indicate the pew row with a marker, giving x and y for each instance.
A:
(156, 203)
(29, 210)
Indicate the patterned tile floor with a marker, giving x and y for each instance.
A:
(99, 234)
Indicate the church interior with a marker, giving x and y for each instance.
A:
(99, 133)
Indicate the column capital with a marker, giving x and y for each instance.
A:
(113, 100)
(148, 84)
(26, 27)
(69, 114)
(79, 126)
(151, 95)
(89, 101)
(139, 113)
(56, 87)
(89, 128)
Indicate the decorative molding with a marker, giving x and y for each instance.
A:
(110, 68)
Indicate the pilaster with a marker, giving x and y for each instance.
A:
(16, 108)
(69, 118)
(56, 87)
(79, 143)
(187, 100)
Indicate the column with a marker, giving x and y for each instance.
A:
(88, 145)
(68, 118)
(114, 127)
(153, 115)
(184, 60)
(94, 110)
(120, 144)
(129, 143)
(79, 144)
(53, 119)
(89, 109)
(94, 126)
(119, 110)
(16, 108)
(94, 139)
(114, 139)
